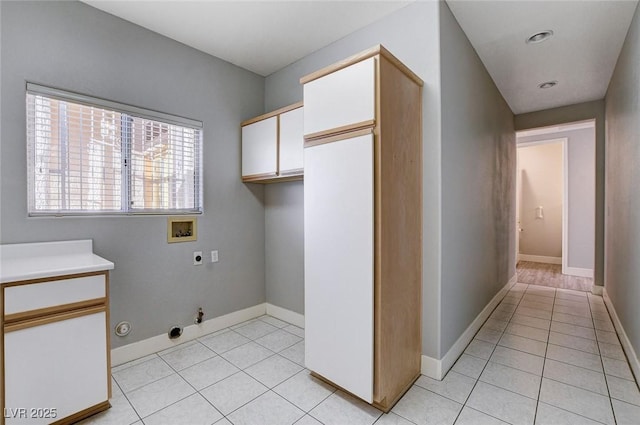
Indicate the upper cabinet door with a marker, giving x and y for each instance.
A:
(340, 99)
(260, 148)
(291, 142)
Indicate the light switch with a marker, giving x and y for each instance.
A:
(539, 212)
(214, 256)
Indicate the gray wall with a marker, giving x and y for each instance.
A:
(412, 35)
(483, 148)
(478, 184)
(582, 193)
(622, 278)
(284, 249)
(572, 113)
(73, 46)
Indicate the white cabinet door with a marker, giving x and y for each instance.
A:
(291, 141)
(61, 365)
(338, 262)
(341, 98)
(260, 147)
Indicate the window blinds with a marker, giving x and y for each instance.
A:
(92, 156)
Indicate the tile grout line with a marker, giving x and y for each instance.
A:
(176, 372)
(606, 380)
(492, 351)
(544, 361)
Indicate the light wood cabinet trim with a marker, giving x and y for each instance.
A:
(83, 414)
(292, 172)
(48, 311)
(369, 124)
(398, 286)
(255, 178)
(108, 333)
(2, 367)
(338, 137)
(272, 114)
(278, 145)
(376, 50)
(53, 278)
(25, 324)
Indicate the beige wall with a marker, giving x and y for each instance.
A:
(540, 169)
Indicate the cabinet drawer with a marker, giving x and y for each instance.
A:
(36, 296)
(342, 98)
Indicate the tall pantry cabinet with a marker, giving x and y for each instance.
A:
(363, 225)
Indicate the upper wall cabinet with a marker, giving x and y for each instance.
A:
(341, 101)
(272, 146)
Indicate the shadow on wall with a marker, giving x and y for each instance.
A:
(503, 188)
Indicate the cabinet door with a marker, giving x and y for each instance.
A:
(260, 148)
(340, 99)
(291, 142)
(61, 365)
(338, 263)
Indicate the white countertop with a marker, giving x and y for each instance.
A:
(46, 259)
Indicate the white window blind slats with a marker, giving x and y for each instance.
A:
(86, 159)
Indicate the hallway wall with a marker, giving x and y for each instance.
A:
(478, 184)
(572, 113)
(622, 279)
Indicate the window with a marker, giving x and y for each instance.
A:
(92, 156)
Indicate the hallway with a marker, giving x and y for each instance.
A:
(550, 275)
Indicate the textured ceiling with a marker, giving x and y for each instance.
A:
(261, 36)
(581, 56)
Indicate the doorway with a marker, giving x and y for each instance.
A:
(555, 206)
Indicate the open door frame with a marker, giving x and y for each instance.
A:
(565, 196)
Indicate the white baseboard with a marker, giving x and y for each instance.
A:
(157, 343)
(597, 290)
(437, 369)
(286, 315)
(632, 356)
(540, 259)
(577, 271)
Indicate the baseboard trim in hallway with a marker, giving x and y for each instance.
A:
(438, 368)
(632, 356)
(577, 271)
(540, 259)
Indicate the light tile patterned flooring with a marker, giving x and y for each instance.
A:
(545, 356)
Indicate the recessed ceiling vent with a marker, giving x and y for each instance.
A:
(539, 37)
(548, 84)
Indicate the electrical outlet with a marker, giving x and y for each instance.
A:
(214, 256)
(197, 258)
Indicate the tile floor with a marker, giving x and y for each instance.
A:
(545, 356)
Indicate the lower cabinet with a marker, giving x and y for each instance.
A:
(55, 369)
(55, 346)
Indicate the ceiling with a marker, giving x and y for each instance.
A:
(265, 36)
(261, 36)
(581, 56)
